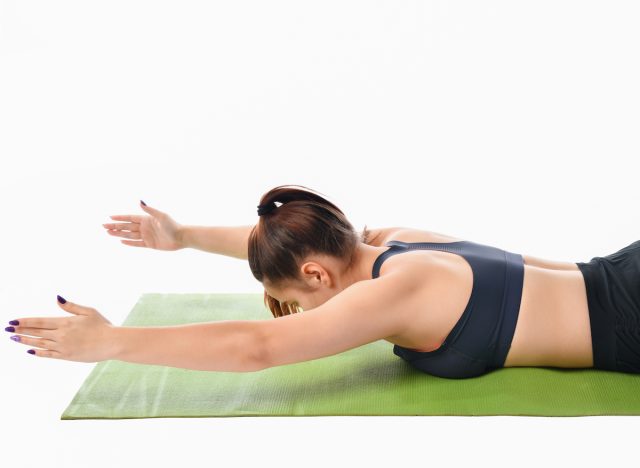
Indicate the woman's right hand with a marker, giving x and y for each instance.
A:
(156, 231)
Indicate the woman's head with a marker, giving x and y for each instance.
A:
(297, 249)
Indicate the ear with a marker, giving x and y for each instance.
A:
(315, 274)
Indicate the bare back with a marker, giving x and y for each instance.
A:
(553, 326)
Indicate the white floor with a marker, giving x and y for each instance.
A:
(508, 123)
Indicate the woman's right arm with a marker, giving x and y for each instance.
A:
(224, 240)
(160, 231)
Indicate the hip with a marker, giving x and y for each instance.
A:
(613, 293)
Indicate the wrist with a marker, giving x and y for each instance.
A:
(182, 237)
(114, 340)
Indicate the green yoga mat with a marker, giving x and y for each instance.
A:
(369, 380)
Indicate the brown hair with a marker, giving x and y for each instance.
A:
(305, 222)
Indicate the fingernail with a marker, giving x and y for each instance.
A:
(61, 299)
(15, 338)
(143, 203)
(14, 322)
(9, 329)
(31, 351)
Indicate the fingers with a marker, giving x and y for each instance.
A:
(151, 211)
(40, 337)
(48, 323)
(131, 218)
(134, 227)
(40, 332)
(39, 342)
(128, 235)
(73, 308)
(46, 353)
(128, 230)
(134, 243)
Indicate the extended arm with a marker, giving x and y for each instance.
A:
(224, 240)
(364, 312)
(160, 231)
(227, 345)
(232, 240)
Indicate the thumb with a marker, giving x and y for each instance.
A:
(72, 307)
(148, 209)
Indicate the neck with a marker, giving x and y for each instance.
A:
(361, 265)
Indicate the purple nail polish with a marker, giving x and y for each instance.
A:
(15, 338)
(31, 351)
(14, 322)
(143, 203)
(61, 299)
(9, 329)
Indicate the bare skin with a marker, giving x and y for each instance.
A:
(553, 326)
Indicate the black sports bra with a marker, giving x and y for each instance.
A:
(480, 340)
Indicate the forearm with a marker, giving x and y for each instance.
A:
(224, 240)
(227, 345)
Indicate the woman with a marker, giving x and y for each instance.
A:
(451, 307)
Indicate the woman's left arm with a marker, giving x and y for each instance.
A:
(364, 312)
(87, 336)
(225, 345)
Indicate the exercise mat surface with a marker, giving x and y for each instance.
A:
(369, 380)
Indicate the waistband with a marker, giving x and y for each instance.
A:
(512, 297)
(601, 320)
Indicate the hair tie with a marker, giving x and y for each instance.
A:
(266, 208)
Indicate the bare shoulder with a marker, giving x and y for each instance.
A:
(378, 237)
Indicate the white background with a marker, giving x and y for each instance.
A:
(509, 123)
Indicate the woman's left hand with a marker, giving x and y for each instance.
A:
(85, 336)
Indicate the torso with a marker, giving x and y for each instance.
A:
(553, 326)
